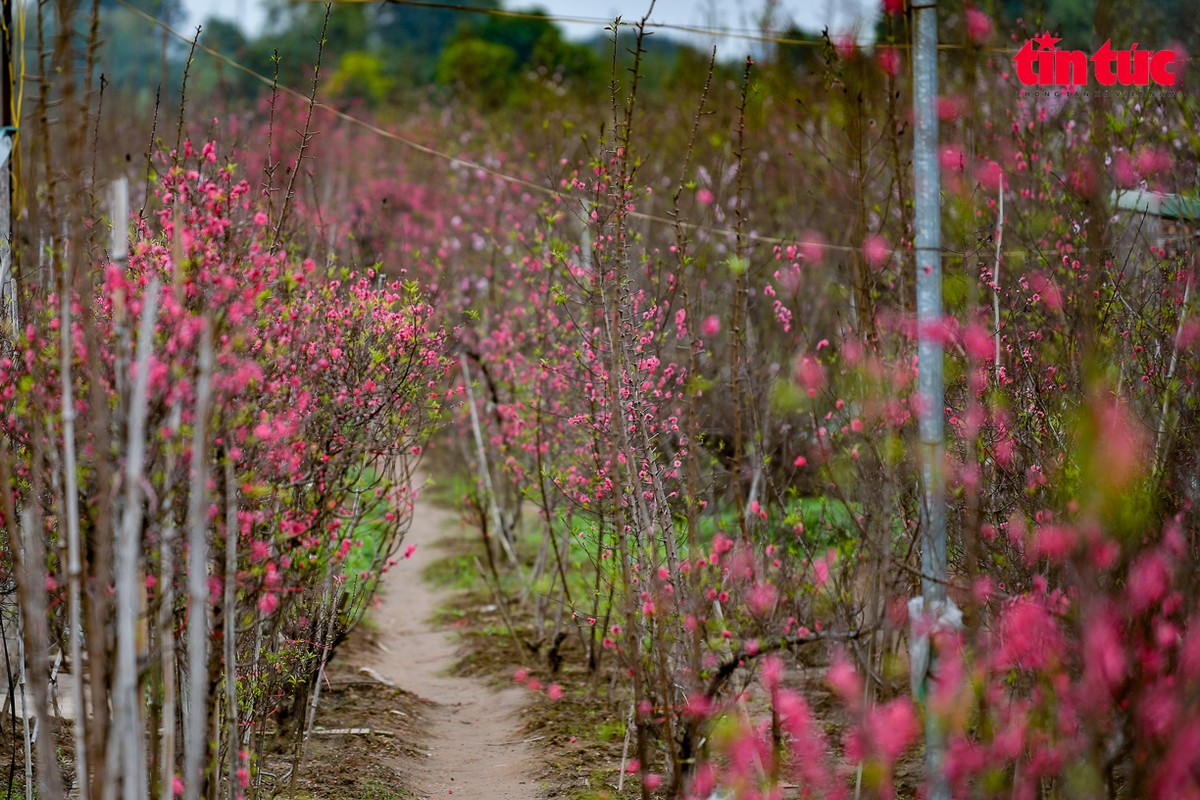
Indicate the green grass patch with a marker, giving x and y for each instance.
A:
(375, 790)
(455, 571)
(448, 490)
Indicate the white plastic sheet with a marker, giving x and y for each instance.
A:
(941, 616)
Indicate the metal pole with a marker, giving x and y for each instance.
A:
(927, 179)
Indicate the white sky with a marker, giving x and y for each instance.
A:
(842, 16)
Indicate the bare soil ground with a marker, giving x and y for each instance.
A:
(367, 737)
(444, 736)
(454, 725)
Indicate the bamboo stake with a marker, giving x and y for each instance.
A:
(127, 706)
(35, 641)
(485, 474)
(28, 738)
(74, 559)
(231, 539)
(324, 638)
(196, 740)
(166, 633)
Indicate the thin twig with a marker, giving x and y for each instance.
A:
(150, 151)
(187, 69)
(268, 184)
(1161, 434)
(996, 278)
(305, 136)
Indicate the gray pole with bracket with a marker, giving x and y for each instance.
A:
(927, 180)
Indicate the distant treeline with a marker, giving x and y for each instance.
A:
(394, 52)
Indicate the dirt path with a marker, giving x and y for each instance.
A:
(474, 731)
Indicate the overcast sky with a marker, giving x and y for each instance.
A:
(842, 16)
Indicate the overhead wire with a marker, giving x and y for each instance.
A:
(767, 37)
(452, 159)
(416, 146)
